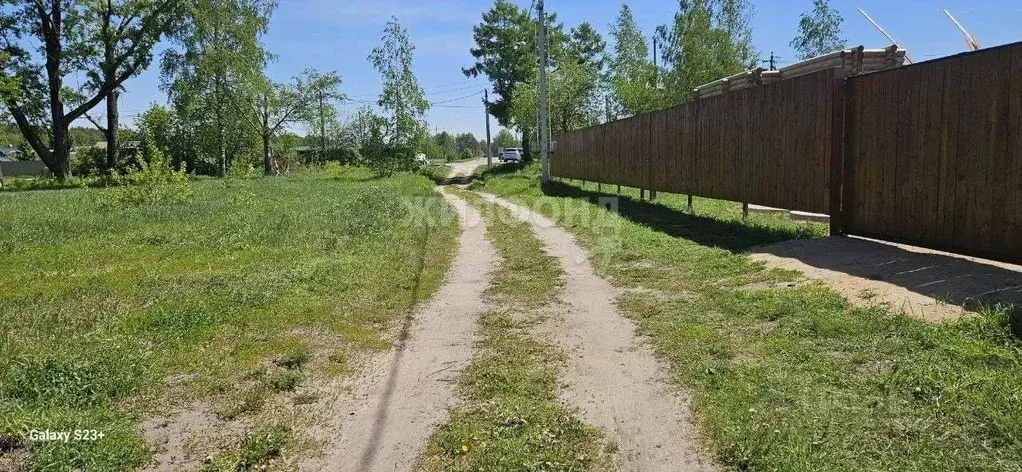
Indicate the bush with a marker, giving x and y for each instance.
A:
(465, 154)
(154, 183)
(88, 161)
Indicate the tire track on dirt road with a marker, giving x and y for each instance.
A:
(383, 425)
(613, 377)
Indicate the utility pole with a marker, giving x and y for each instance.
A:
(656, 85)
(544, 144)
(656, 70)
(486, 109)
(322, 129)
(772, 65)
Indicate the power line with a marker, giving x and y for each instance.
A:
(429, 90)
(456, 99)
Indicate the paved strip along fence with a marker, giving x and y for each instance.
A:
(929, 154)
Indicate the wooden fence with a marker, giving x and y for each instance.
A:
(769, 145)
(934, 153)
(929, 154)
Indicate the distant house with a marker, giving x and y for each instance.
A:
(9, 154)
(128, 147)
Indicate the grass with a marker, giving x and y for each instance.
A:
(103, 307)
(795, 378)
(510, 418)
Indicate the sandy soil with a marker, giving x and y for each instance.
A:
(614, 379)
(383, 423)
(465, 168)
(931, 285)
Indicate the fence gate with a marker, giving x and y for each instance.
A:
(933, 154)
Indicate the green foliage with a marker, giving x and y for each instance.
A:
(819, 31)
(505, 139)
(446, 145)
(295, 358)
(402, 96)
(468, 142)
(155, 182)
(257, 451)
(219, 56)
(88, 161)
(573, 97)
(631, 72)
(707, 40)
(284, 380)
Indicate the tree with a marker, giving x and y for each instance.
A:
(708, 40)
(323, 91)
(219, 58)
(360, 129)
(68, 45)
(586, 46)
(505, 139)
(631, 72)
(276, 105)
(819, 31)
(447, 145)
(466, 141)
(506, 53)
(573, 98)
(402, 96)
(160, 122)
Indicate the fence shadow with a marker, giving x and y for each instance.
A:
(958, 280)
(733, 236)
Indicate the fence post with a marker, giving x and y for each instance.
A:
(838, 141)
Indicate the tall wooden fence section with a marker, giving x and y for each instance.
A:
(768, 145)
(934, 153)
(929, 154)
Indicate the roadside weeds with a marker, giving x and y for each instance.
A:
(795, 378)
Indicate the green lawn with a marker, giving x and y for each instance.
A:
(252, 288)
(510, 418)
(795, 379)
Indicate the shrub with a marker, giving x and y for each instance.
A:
(283, 381)
(88, 161)
(154, 183)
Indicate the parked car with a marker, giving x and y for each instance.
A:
(514, 155)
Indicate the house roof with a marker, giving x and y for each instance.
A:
(127, 145)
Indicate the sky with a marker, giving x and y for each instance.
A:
(337, 35)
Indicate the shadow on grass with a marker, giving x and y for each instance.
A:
(735, 236)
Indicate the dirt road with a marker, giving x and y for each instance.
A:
(384, 423)
(465, 168)
(612, 377)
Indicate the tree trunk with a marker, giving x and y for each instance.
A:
(112, 135)
(61, 158)
(526, 145)
(267, 170)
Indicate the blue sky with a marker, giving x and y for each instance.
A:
(337, 35)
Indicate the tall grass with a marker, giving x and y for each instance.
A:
(100, 304)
